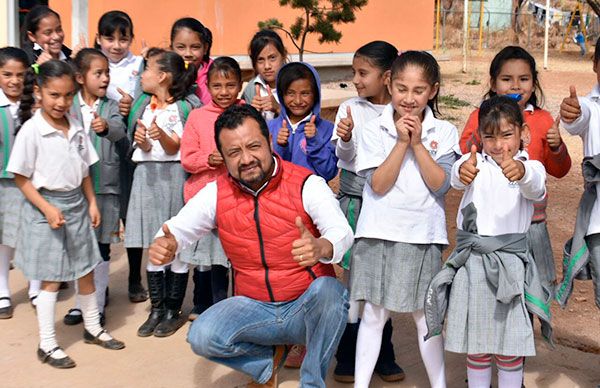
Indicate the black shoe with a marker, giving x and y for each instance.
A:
(6, 312)
(102, 319)
(60, 363)
(156, 284)
(137, 293)
(386, 366)
(73, 319)
(63, 286)
(33, 302)
(112, 344)
(345, 355)
(173, 319)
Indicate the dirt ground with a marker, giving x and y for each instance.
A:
(167, 362)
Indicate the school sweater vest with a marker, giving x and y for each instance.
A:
(257, 233)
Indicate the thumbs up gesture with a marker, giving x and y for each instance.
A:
(512, 169)
(283, 135)
(257, 100)
(45, 55)
(570, 110)
(141, 138)
(163, 249)
(98, 124)
(553, 135)
(124, 102)
(269, 103)
(345, 126)
(310, 129)
(154, 131)
(308, 250)
(468, 170)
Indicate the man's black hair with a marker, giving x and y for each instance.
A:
(234, 116)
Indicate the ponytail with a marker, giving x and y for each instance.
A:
(27, 100)
(182, 76)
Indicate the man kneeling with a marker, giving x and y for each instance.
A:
(281, 227)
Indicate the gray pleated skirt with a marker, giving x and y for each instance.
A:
(62, 254)
(478, 323)
(109, 206)
(206, 251)
(156, 196)
(541, 250)
(392, 274)
(11, 203)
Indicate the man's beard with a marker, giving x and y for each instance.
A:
(258, 178)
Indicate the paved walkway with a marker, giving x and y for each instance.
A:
(169, 362)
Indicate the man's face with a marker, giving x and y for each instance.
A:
(247, 153)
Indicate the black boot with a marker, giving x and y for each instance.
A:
(173, 319)
(219, 283)
(386, 366)
(203, 297)
(345, 355)
(156, 284)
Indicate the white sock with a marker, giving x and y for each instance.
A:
(510, 379)
(77, 300)
(432, 352)
(6, 253)
(91, 316)
(101, 282)
(479, 378)
(368, 343)
(353, 311)
(34, 288)
(46, 302)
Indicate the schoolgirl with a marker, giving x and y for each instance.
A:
(42, 36)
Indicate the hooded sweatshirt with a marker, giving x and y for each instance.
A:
(316, 153)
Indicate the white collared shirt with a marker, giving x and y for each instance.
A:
(48, 158)
(169, 121)
(13, 107)
(268, 115)
(199, 216)
(587, 126)
(362, 111)
(409, 212)
(87, 112)
(502, 206)
(61, 56)
(125, 75)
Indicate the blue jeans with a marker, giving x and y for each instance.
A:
(240, 332)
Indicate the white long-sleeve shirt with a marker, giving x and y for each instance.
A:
(589, 119)
(199, 217)
(502, 206)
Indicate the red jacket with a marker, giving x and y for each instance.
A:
(557, 163)
(257, 233)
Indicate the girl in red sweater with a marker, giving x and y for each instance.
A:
(513, 73)
(200, 157)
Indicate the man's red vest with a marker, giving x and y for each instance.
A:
(257, 233)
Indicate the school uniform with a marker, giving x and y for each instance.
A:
(34, 51)
(494, 280)
(56, 166)
(402, 233)
(110, 146)
(250, 92)
(351, 184)
(125, 75)
(12, 198)
(582, 252)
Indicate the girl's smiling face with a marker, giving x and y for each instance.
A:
(515, 77)
(56, 97)
(49, 34)
(410, 92)
(224, 88)
(189, 46)
(12, 78)
(369, 80)
(299, 99)
(115, 46)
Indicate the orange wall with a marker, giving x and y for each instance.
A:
(406, 24)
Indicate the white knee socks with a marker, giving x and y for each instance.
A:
(368, 343)
(432, 352)
(46, 303)
(6, 254)
(510, 379)
(101, 283)
(91, 316)
(34, 290)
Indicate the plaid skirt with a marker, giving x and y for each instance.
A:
(156, 196)
(206, 251)
(393, 275)
(63, 254)
(478, 323)
(541, 250)
(109, 206)
(11, 203)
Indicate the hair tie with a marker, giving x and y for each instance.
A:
(36, 68)
(187, 64)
